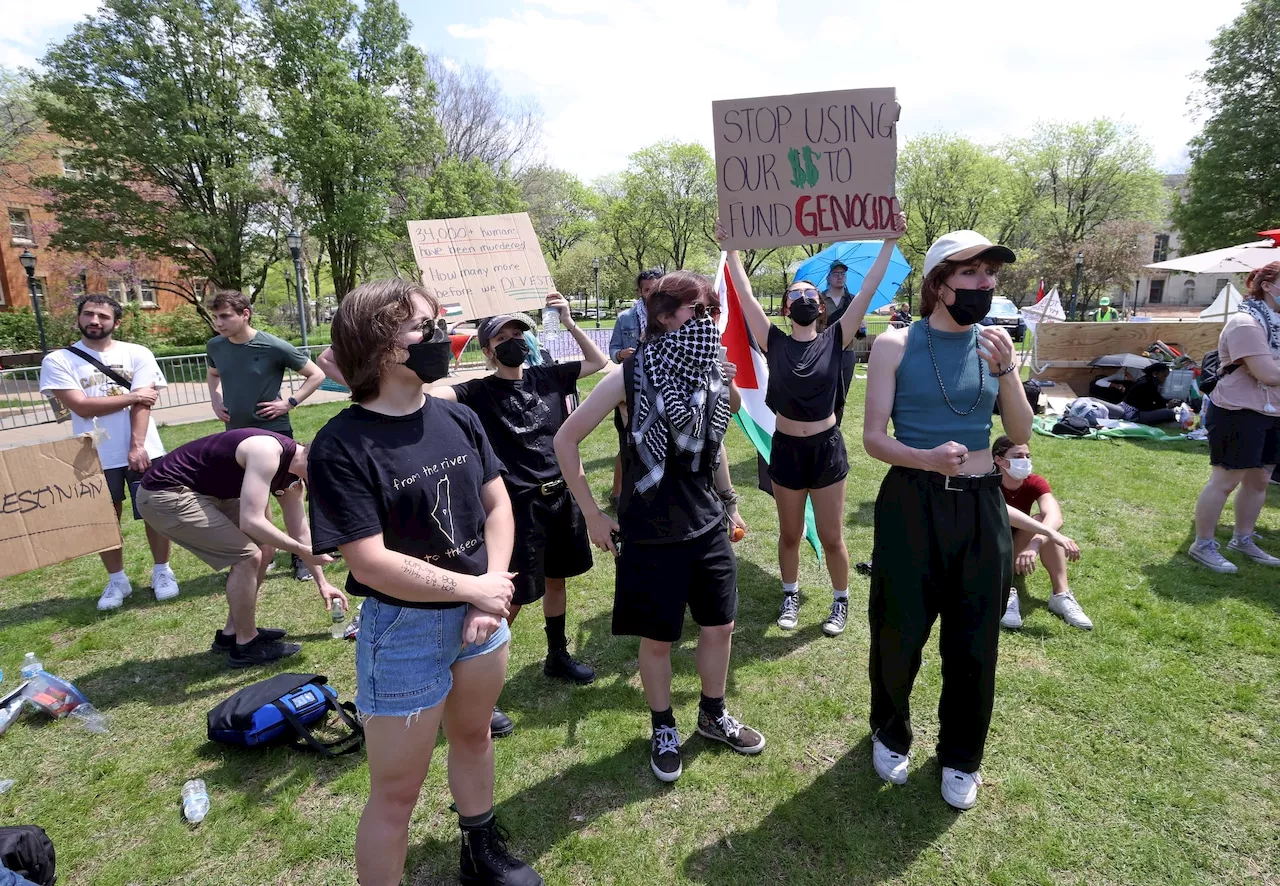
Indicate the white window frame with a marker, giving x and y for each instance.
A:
(119, 291)
(68, 169)
(144, 287)
(29, 236)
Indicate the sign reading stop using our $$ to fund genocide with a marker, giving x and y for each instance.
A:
(794, 169)
(482, 266)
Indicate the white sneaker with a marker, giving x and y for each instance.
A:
(113, 594)
(960, 789)
(165, 584)
(1249, 547)
(1207, 555)
(1012, 618)
(889, 766)
(1065, 606)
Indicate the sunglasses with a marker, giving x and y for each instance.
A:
(700, 310)
(797, 294)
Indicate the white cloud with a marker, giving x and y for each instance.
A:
(613, 77)
(30, 27)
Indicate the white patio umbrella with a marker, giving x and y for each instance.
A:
(1231, 260)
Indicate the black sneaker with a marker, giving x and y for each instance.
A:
(301, 571)
(259, 651)
(500, 725)
(561, 665)
(834, 625)
(486, 861)
(226, 642)
(742, 739)
(664, 760)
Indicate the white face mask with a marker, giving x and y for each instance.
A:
(1019, 468)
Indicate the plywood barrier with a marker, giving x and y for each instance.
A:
(1063, 350)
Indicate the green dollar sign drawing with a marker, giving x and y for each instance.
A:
(810, 168)
(803, 174)
(798, 179)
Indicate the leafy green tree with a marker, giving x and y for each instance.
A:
(165, 98)
(629, 224)
(1234, 180)
(677, 182)
(562, 209)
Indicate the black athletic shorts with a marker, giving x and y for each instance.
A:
(808, 462)
(551, 541)
(117, 480)
(654, 583)
(1241, 439)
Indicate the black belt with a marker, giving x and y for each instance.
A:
(958, 484)
(551, 487)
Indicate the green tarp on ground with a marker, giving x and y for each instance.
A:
(1043, 424)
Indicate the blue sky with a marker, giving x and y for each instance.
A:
(612, 76)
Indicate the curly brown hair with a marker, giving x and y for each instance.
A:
(365, 329)
(1260, 277)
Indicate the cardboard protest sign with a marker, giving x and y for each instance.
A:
(482, 266)
(54, 505)
(794, 169)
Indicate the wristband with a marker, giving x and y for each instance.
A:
(293, 403)
(1006, 371)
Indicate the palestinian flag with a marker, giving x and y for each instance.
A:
(755, 418)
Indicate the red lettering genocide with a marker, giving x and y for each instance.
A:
(829, 214)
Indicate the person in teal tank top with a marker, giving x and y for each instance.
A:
(942, 547)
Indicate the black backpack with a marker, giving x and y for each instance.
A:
(1212, 372)
(1072, 426)
(281, 710)
(27, 851)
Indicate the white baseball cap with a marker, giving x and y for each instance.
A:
(961, 246)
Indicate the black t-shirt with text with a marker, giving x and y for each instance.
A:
(416, 479)
(521, 418)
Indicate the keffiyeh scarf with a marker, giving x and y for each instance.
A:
(681, 400)
(1258, 310)
(642, 317)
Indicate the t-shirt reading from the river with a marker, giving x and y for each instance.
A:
(521, 418)
(415, 478)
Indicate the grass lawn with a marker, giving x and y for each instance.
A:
(1145, 752)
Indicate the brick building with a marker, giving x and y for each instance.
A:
(61, 276)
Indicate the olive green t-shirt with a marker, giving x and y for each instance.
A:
(252, 373)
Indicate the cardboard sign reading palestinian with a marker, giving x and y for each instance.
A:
(482, 266)
(54, 505)
(795, 169)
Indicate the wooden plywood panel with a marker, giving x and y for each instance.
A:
(1082, 342)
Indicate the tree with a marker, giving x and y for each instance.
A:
(677, 183)
(629, 224)
(1234, 179)
(479, 121)
(352, 103)
(165, 97)
(19, 122)
(561, 208)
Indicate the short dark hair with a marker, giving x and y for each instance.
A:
(231, 298)
(651, 274)
(365, 327)
(1002, 445)
(99, 300)
(675, 290)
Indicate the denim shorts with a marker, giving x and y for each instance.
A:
(404, 656)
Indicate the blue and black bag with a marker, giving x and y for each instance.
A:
(281, 710)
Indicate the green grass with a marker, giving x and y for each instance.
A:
(1145, 752)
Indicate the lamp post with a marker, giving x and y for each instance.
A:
(1075, 286)
(294, 239)
(29, 263)
(595, 267)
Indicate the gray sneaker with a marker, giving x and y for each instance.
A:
(1207, 555)
(1249, 547)
(1012, 618)
(789, 615)
(834, 625)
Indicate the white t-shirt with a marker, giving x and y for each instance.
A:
(62, 370)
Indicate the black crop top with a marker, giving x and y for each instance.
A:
(804, 377)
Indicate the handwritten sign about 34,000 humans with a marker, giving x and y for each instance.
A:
(794, 169)
(482, 266)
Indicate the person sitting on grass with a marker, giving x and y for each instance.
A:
(1144, 403)
(1023, 490)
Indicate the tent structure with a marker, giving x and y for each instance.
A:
(1226, 304)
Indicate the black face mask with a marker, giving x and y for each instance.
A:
(804, 311)
(429, 358)
(512, 352)
(971, 305)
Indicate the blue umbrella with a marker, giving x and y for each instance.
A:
(858, 257)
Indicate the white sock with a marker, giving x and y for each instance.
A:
(118, 576)
(1203, 542)
(791, 587)
(161, 567)
(839, 595)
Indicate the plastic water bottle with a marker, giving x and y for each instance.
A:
(31, 666)
(550, 324)
(339, 616)
(195, 801)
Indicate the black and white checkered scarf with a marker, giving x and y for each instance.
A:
(1258, 310)
(681, 399)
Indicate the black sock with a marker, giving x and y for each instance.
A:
(713, 706)
(470, 822)
(556, 639)
(662, 718)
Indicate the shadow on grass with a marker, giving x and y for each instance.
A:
(846, 827)
(1181, 578)
(544, 814)
(81, 610)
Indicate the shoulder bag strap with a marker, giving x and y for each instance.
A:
(102, 367)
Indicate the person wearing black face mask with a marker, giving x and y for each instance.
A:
(808, 460)
(409, 490)
(521, 408)
(942, 541)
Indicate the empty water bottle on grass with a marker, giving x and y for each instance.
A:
(31, 666)
(195, 801)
